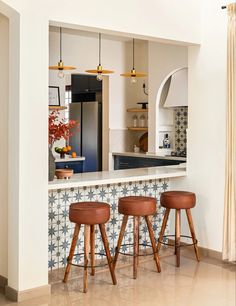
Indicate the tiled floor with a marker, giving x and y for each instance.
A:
(193, 284)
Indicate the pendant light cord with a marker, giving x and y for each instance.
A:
(133, 54)
(60, 45)
(99, 46)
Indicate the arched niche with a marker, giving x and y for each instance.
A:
(173, 92)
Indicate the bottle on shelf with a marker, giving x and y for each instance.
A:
(135, 121)
(166, 142)
(142, 120)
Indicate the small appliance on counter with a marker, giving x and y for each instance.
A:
(166, 142)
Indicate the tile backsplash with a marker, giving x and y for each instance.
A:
(181, 125)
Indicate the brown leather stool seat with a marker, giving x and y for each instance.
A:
(137, 206)
(89, 213)
(178, 199)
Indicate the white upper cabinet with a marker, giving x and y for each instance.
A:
(173, 91)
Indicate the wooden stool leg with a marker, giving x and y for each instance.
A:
(163, 227)
(151, 234)
(190, 222)
(136, 246)
(92, 248)
(108, 254)
(177, 236)
(86, 255)
(121, 235)
(72, 251)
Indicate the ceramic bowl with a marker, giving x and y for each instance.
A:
(64, 173)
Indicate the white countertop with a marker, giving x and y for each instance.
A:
(69, 159)
(147, 155)
(118, 176)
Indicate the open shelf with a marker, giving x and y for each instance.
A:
(137, 110)
(141, 129)
(57, 107)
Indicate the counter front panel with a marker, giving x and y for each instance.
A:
(61, 230)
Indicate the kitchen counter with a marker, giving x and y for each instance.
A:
(69, 159)
(105, 186)
(118, 176)
(146, 155)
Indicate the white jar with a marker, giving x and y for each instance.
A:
(135, 121)
(142, 121)
(136, 149)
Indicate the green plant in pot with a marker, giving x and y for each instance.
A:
(57, 129)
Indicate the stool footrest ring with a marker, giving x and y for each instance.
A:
(181, 245)
(87, 266)
(139, 255)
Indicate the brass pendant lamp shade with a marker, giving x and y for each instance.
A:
(60, 66)
(99, 69)
(133, 73)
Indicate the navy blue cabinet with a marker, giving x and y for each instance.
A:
(130, 162)
(77, 166)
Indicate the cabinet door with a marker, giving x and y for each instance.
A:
(77, 166)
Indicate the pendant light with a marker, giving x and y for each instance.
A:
(99, 71)
(133, 74)
(60, 66)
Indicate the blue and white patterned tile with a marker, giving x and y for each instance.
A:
(61, 229)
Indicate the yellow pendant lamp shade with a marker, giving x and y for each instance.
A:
(99, 71)
(133, 74)
(60, 66)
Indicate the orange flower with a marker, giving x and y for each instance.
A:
(59, 128)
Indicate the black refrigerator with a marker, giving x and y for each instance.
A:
(86, 108)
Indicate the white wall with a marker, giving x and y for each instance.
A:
(162, 19)
(4, 101)
(163, 59)
(206, 135)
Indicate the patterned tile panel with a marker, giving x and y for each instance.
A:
(181, 124)
(60, 229)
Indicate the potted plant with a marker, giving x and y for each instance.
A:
(57, 129)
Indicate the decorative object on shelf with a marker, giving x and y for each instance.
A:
(142, 121)
(133, 74)
(99, 71)
(136, 149)
(60, 66)
(53, 96)
(144, 104)
(64, 173)
(143, 142)
(57, 129)
(135, 120)
(144, 89)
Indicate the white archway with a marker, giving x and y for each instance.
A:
(175, 83)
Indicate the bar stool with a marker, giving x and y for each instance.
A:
(89, 214)
(178, 200)
(137, 206)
